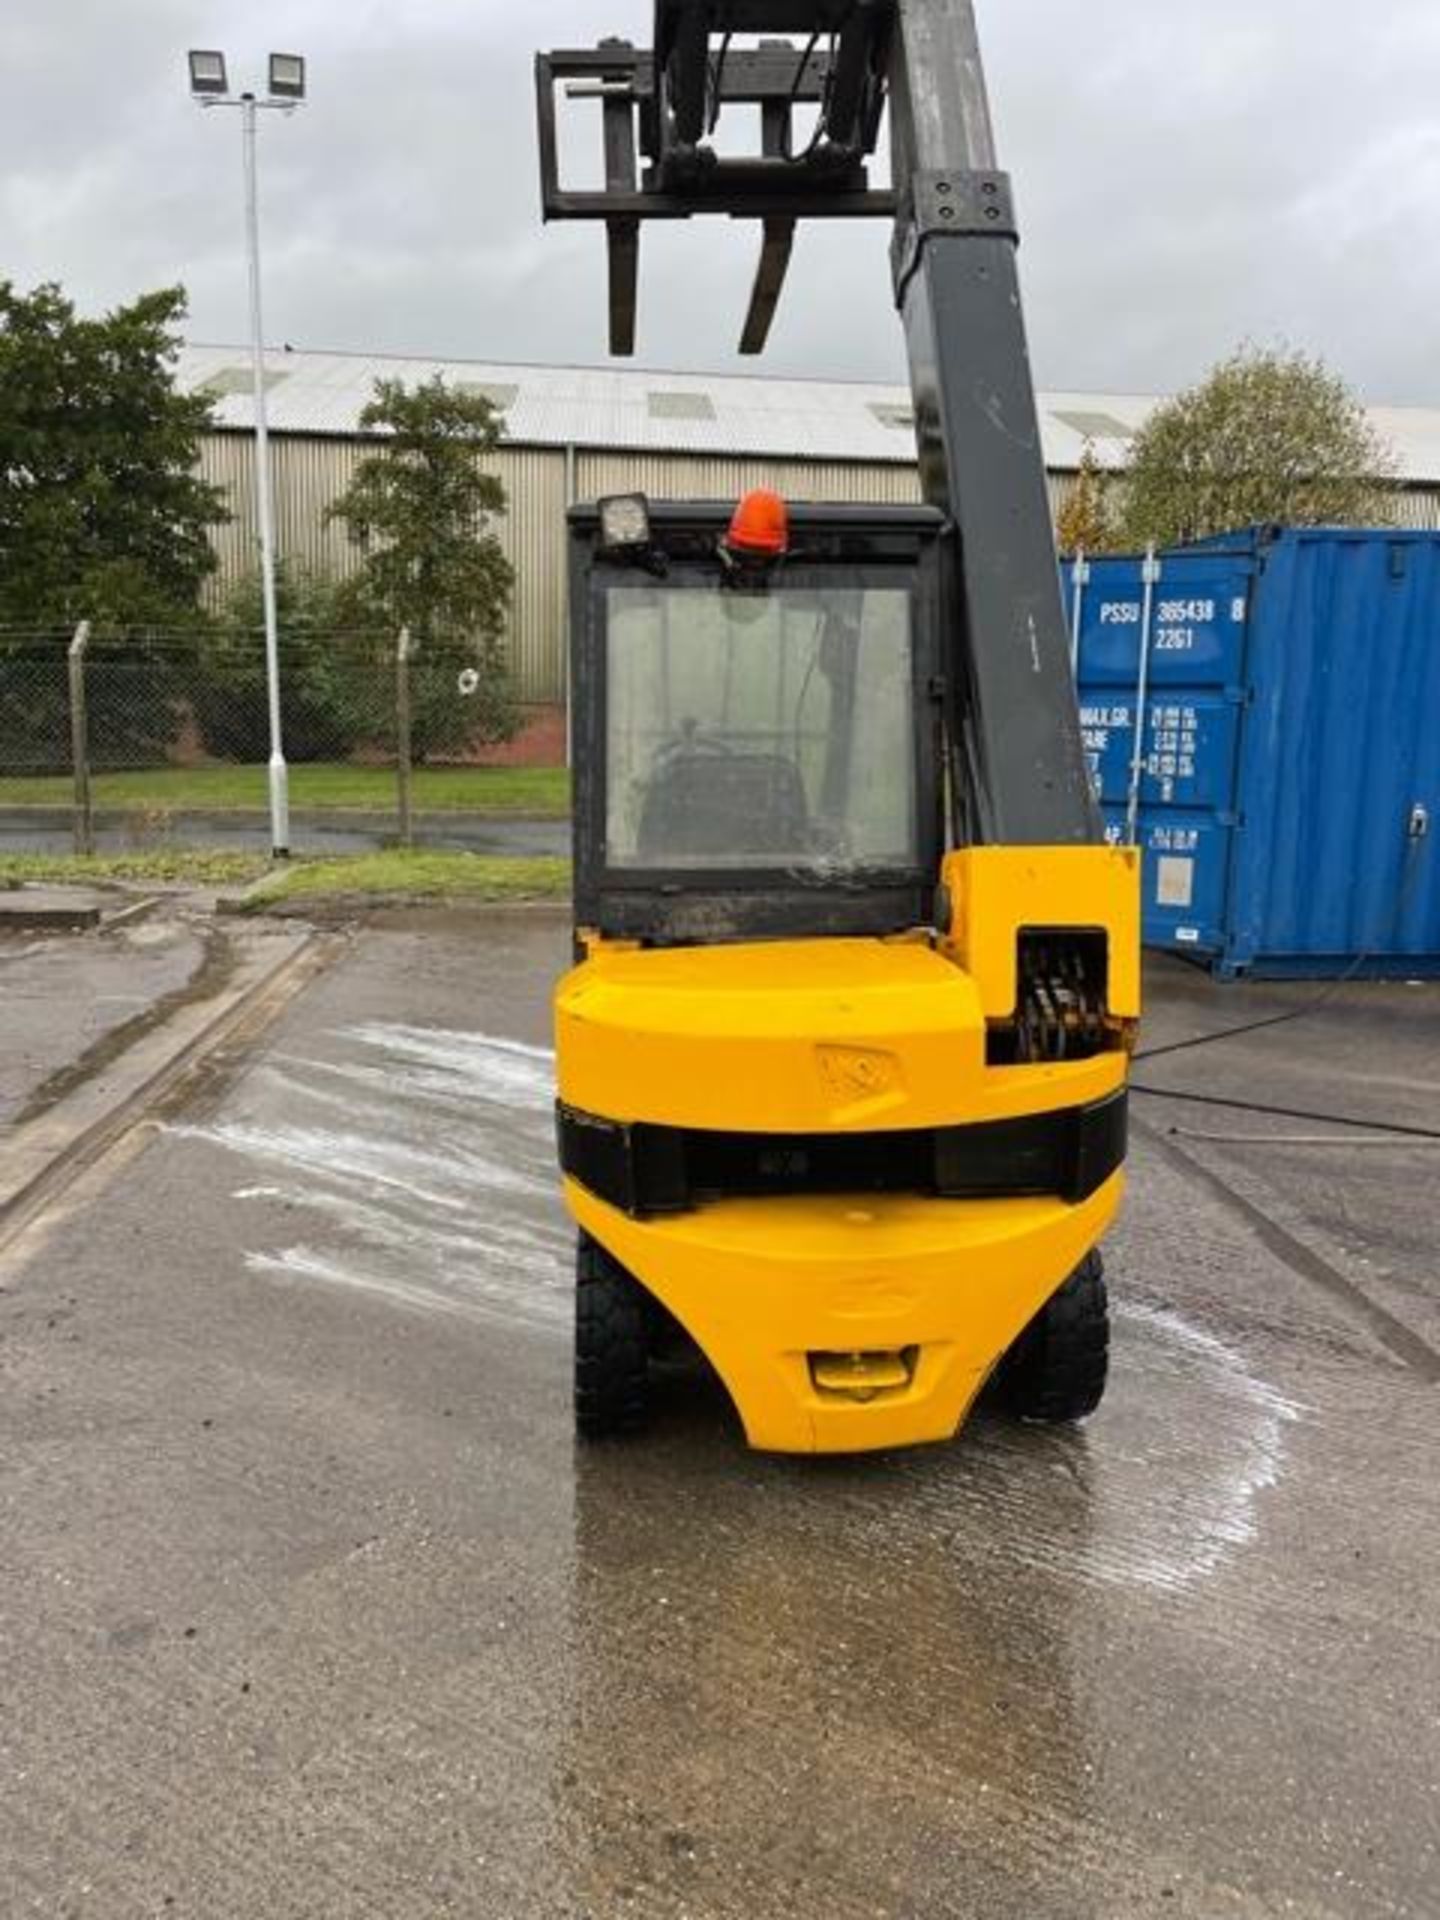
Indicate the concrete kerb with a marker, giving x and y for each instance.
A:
(246, 900)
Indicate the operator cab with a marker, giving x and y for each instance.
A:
(758, 715)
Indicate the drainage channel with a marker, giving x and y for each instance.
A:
(219, 961)
(73, 1132)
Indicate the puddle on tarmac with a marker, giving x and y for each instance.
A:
(1167, 1479)
(418, 1164)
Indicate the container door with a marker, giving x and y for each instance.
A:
(1338, 867)
(1186, 670)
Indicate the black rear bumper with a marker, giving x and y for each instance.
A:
(644, 1169)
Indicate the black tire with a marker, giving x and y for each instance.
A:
(1055, 1372)
(612, 1346)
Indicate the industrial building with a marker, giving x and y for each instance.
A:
(573, 433)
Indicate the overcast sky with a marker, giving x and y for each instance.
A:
(1190, 173)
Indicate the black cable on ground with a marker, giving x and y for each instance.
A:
(1312, 1005)
(1290, 1113)
(1392, 1143)
(1250, 1026)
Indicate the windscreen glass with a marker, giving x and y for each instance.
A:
(769, 729)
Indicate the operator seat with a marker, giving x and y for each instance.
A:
(703, 799)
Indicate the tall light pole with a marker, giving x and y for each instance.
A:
(210, 86)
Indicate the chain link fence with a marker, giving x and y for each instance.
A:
(158, 740)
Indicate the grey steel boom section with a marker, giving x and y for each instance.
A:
(1017, 760)
(1017, 728)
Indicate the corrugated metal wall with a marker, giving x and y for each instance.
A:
(1418, 508)
(310, 471)
(704, 477)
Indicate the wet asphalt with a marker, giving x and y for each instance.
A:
(62, 996)
(311, 1606)
(51, 830)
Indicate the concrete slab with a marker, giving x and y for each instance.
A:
(64, 1000)
(312, 1605)
(50, 909)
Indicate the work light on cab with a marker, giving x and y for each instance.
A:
(760, 527)
(625, 523)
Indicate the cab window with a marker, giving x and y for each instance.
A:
(764, 730)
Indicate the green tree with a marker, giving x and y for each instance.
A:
(1270, 435)
(102, 515)
(335, 687)
(1086, 521)
(103, 518)
(420, 509)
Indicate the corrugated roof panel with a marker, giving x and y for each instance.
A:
(896, 419)
(502, 394)
(227, 380)
(1093, 425)
(667, 404)
(609, 407)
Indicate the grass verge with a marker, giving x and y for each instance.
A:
(320, 787)
(412, 876)
(188, 869)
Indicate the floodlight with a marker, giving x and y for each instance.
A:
(624, 523)
(287, 76)
(207, 74)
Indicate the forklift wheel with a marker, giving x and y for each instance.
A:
(612, 1389)
(1056, 1370)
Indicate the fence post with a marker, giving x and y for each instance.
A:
(80, 742)
(1150, 574)
(402, 737)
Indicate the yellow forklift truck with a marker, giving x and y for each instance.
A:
(842, 1060)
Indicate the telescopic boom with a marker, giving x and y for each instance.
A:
(842, 67)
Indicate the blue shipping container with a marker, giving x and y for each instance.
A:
(1287, 788)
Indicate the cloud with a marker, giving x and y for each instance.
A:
(1189, 175)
